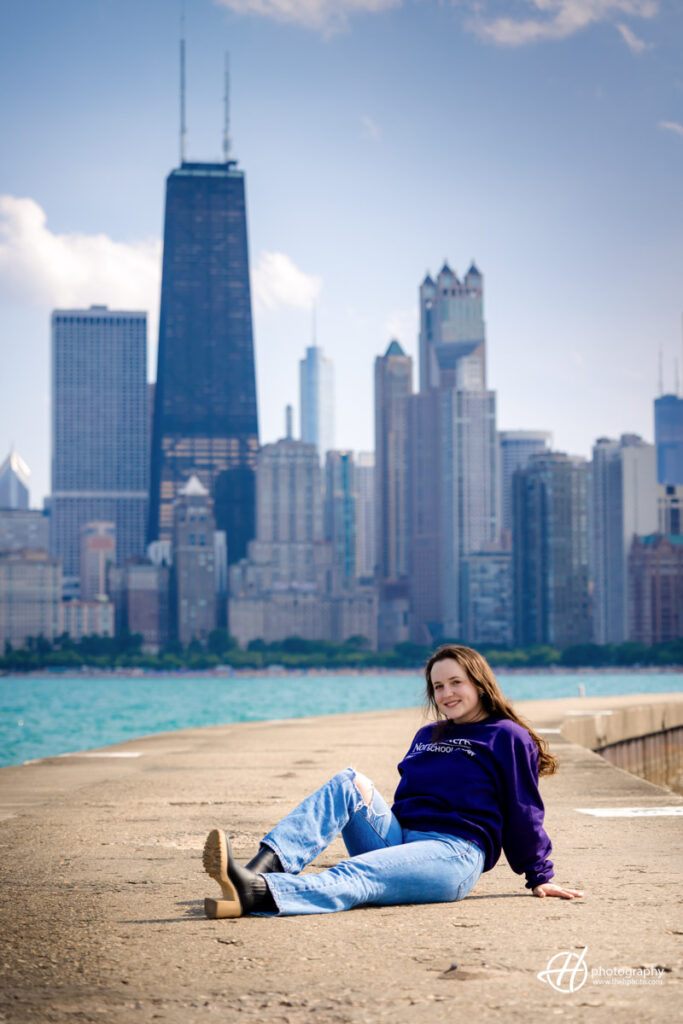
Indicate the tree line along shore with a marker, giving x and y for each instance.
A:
(126, 651)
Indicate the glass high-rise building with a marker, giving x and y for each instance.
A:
(340, 512)
(550, 551)
(669, 439)
(516, 448)
(99, 431)
(623, 503)
(316, 387)
(205, 415)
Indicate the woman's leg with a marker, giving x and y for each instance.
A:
(418, 871)
(347, 803)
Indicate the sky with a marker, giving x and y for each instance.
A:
(541, 138)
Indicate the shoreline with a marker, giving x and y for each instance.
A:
(227, 672)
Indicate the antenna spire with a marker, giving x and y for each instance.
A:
(313, 312)
(183, 128)
(661, 372)
(226, 102)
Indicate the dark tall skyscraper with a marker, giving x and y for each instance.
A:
(205, 418)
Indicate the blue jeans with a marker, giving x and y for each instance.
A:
(387, 864)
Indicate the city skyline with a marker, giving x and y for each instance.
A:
(554, 163)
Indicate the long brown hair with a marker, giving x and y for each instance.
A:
(493, 701)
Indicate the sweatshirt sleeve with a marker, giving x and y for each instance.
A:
(525, 842)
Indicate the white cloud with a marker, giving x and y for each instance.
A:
(40, 268)
(277, 282)
(43, 269)
(671, 126)
(558, 19)
(402, 324)
(370, 128)
(323, 15)
(634, 44)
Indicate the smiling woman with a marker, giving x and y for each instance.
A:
(468, 790)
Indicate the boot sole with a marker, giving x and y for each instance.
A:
(215, 859)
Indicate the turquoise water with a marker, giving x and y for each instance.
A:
(41, 716)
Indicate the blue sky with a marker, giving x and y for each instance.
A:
(543, 138)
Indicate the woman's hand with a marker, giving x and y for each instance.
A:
(550, 889)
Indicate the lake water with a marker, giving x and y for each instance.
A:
(41, 716)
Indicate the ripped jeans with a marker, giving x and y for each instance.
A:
(387, 864)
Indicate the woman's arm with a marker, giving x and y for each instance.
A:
(525, 841)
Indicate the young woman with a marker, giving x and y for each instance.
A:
(468, 788)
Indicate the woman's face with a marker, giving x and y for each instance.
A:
(455, 694)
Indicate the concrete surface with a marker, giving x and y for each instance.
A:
(102, 888)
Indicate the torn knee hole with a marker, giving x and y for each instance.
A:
(365, 787)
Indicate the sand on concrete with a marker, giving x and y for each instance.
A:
(102, 890)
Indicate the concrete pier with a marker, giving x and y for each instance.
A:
(102, 886)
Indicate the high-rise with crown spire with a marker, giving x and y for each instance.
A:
(205, 416)
(451, 454)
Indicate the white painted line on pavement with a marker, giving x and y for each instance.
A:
(632, 812)
(589, 712)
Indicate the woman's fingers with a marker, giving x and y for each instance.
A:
(549, 889)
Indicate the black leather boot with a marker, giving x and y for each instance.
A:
(265, 862)
(244, 892)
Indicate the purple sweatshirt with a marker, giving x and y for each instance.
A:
(478, 781)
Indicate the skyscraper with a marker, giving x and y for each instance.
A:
(455, 504)
(276, 592)
(469, 496)
(205, 417)
(365, 518)
(655, 575)
(669, 439)
(14, 482)
(316, 394)
(452, 331)
(194, 585)
(289, 512)
(550, 551)
(393, 383)
(425, 517)
(99, 430)
(340, 512)
(623, 502)
(516, 447)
